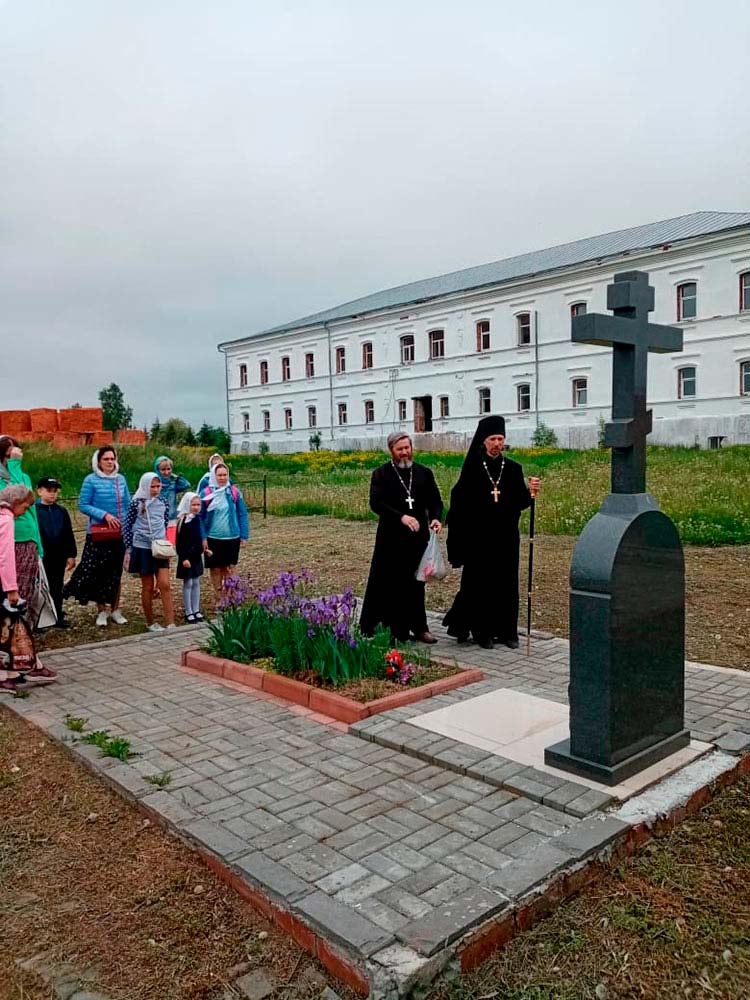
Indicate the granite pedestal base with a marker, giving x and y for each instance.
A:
(559, 755)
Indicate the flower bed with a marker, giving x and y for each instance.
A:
(310, 651)
(326, 700)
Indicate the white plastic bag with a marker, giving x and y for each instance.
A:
(432, 565)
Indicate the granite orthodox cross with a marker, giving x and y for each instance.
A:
(631, 336)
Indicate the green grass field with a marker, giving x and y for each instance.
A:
(704, 492)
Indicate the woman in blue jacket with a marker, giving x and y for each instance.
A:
(104, 499)
(226, 524)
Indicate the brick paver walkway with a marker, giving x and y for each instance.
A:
(390, 855)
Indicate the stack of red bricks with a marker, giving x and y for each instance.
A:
(80, 425)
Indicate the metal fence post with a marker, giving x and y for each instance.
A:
(264, 496)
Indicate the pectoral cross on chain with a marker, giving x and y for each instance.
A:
(495, 493)
(410, 501)
(631, 337)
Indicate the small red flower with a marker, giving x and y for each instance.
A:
(394, 658)
(390, 671)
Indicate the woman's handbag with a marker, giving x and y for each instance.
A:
(103, 532)
(162, 548)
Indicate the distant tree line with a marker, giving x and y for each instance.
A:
(176, 432)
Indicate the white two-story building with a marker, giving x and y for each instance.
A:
(435, 355)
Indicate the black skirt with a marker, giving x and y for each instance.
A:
(142, 563)
(97, 577)
(225, 552)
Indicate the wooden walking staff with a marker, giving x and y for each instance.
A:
(532, 511)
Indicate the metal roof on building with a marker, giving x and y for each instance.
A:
(593, 248)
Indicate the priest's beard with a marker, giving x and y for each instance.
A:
(405, 464)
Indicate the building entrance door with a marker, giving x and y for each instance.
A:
(422, 414)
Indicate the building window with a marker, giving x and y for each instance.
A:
(264, 373)
(483, 335)
(445, 410)
(687, 297)
(485, 400)
(367, 355)
(309, 366)
(243, 376)
(401, 410)
(523, 329)
(266, 415)
(286, 369)
(744, 378)
(342, 413)
(577, 309)
(716, 441)
(312, 416)
(437, 344)
(369, 411)
(407, 349)
(745, 291)
(340, 360)
(288, 419)
(523, 397)
(686, 382)
(246, 422)
(580, 391)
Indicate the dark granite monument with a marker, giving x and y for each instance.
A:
(627, 578)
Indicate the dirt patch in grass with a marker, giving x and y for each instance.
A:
(338, 553)
(85, 877)
(673, 923)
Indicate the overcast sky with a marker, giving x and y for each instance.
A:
(175, 173)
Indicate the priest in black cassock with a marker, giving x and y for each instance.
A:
(483, 538)
(407, 501)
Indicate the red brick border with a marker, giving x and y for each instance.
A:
(335, 706)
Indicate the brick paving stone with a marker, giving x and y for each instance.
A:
(414, 860)
(487, 855)
(590, 835)
(464, 864)
(362, 890)
(315, 861)
(403, 902)
(422, 838)
(385, 866)
(517, 806)
(297, 842)
(344, 924)
(503, 836)
(526, 873)
(380, 913)
(369, 844)
(735, 742)
(588, 802)
(216, 839)
(314, 827)
(523, 845)
(444, 891)
(385, 824)
(342, 878)
(272, 877)
(417, 883)
(406, 817)
(438, 928)
(558, 798)
(452, 841)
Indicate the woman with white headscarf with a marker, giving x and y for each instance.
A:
(104, 498)
(146, 522)
(205, 479)
(191, 544)
(226, 525)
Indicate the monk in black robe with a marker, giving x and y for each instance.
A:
(407, 501)
(483, 537)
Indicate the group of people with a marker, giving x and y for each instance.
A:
(483, 540)
(164, 520)
(143, 534)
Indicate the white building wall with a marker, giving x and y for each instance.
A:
(716, 341)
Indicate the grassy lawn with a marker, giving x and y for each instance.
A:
(704, 492)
